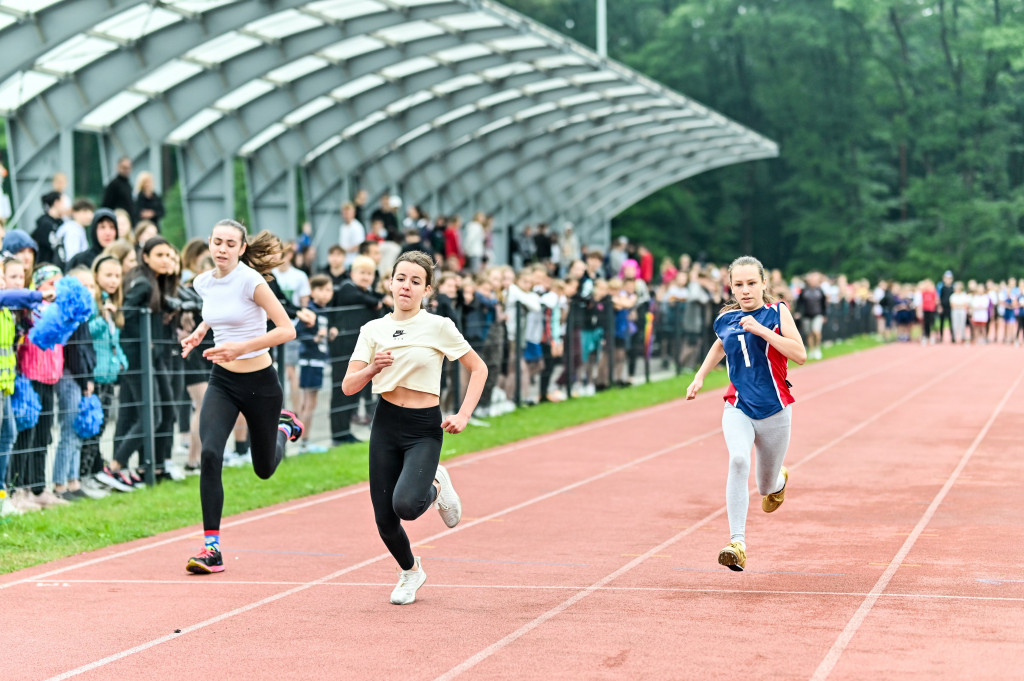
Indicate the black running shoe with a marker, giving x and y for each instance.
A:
(206, 562)
(293, 423)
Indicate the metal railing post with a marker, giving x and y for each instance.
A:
(518, 354)
(568, 349)
(146, 408)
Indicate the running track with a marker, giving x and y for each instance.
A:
(591, 554)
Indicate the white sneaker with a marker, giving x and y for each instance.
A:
(7, 508)
(93, 489)
(408, 583)
(448, 503)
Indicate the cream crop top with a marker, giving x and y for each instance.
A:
(229, 307)
(418, 345)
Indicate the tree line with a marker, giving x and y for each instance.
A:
(900, 125)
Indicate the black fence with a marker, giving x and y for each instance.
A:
(149, 408)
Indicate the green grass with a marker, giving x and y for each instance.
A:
(56, 533)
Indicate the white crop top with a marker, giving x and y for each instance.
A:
(229, 307)
(418, 345)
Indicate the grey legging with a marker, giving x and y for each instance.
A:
(771, 437)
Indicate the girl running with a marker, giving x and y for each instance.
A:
(236, 304)
(756, 336)
(402, 353)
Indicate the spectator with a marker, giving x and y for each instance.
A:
(453, 241)
(118, 193)
(105, 330)
(23, 247)
(569, 247)
(646, 259)
(148, 204)
(313, 357)
(386, 214)
(542, 243)
(359, 202)
(414, 242)
(294, 286)
(144, 231)
(473, 243)
(810, 310)
(437, 239)
(124, 223)
(336, 265)
(359, 304)
(197, 368)
(59, 184)
(47, 224)
(75, 383)
(194, 251)
(124, 251)
(616, 257)
(72, 237)
(352, 233)
(103, 233)
(527, 247)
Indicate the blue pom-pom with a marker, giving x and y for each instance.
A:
(89, 420)
(72, 306)
(25, 404)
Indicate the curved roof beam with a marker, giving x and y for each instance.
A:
(545, 135)
(297, 68)
(645, 184)
(430, 122)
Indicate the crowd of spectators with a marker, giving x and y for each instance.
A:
(562, 318)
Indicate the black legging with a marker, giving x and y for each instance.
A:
(28, 459)
(258, 397)
(405, 448)
(163, 412)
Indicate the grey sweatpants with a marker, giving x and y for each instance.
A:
(771, 438)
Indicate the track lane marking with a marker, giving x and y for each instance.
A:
(841, 643)
(504, 642)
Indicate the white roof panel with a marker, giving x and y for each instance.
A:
(194, 126)
(415, 99)
(408, 67)
(409, 32)
(518, 42)
(322, 149)
(560, 61)
(502, 122)
(498, 98)
(282, 24)
(167, 76)
(545, 85)
(137, 22)
(223, 48)
(506, 70)
(470, 21)
(454, 55)
(411, 135)
(415, 3)
(241, 96)
(457, 83)
(357, 87)
(595, 77)
(343, 10)
(71, 55)
(198, 6)
(626, 91)
(576, 100)
(309, 110)
(297, 69)
(113, 110)
(29, 5)
(532, 111)
(265, 137)
(6, 20)
(454, 114)
(353, 47)
(357, 127)
(21, 87)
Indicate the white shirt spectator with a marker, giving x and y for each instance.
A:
(294, 284)
(473, 239)
(73, 238)
(351, 236)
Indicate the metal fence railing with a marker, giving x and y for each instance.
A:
(149, 408)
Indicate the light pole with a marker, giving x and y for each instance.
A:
(602, 28)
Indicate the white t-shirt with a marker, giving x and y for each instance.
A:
(229, 308)
(960, 301)
(473, 239)
(294, 284)
(351, 236)
(979, 308)
(418, 347)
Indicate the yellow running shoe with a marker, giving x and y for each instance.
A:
(733, 556)
(773, 501)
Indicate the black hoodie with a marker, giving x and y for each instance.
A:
(86, 257)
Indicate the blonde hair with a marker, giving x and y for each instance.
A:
(744, 261)
(364, 262)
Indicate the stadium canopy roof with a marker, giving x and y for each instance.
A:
(457, 105)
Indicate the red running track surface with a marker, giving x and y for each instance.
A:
(592, 554)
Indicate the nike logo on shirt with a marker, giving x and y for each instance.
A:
(400, 332)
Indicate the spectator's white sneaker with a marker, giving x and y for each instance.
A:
(408, 583)
(448, 503)
(7, 507)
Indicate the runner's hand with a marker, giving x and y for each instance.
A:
(694, 388)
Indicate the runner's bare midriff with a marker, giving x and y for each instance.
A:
(249, 364)
(411, 399)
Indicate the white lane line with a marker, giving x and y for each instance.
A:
(461, 461)
(550, 587)
(462, 526)
(832, 657)
(504, 642)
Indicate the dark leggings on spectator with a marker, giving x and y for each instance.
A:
(163, 414)
(405, 448)
(258, 397)
(28, 463)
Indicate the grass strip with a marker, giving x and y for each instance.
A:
(54, 533)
